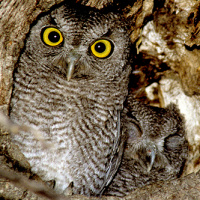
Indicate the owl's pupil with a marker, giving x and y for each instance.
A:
(54, 36)
(100, 47)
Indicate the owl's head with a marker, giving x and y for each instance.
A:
(81, 42)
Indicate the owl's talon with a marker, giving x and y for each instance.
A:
(51, 183)
(69, 190)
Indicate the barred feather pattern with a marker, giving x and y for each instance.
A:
(78, 117)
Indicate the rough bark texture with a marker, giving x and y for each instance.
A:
(167, 69)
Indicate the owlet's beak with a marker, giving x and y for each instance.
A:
(71, 61)
(152, 153)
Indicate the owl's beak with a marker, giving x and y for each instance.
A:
(71, 60)
(152, 154)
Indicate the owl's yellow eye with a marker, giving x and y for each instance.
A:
(102, 48)
(51, 36)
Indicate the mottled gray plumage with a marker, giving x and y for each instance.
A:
(73, 97)
(156, 147)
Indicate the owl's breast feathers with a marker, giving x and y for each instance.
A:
(79, 118)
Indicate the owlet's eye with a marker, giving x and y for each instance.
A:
(102, 48)
(51, 36)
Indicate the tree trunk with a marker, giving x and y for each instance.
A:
(167, 69)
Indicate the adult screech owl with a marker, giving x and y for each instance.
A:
(70, 83)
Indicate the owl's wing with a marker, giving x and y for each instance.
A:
(116, 155)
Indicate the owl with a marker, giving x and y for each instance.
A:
(70, 84)
(156, 148)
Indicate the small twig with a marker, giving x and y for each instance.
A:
(14, 128)
(31, 185)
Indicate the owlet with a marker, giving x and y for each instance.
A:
(156, 148)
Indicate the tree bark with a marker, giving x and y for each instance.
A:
(167, 37)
